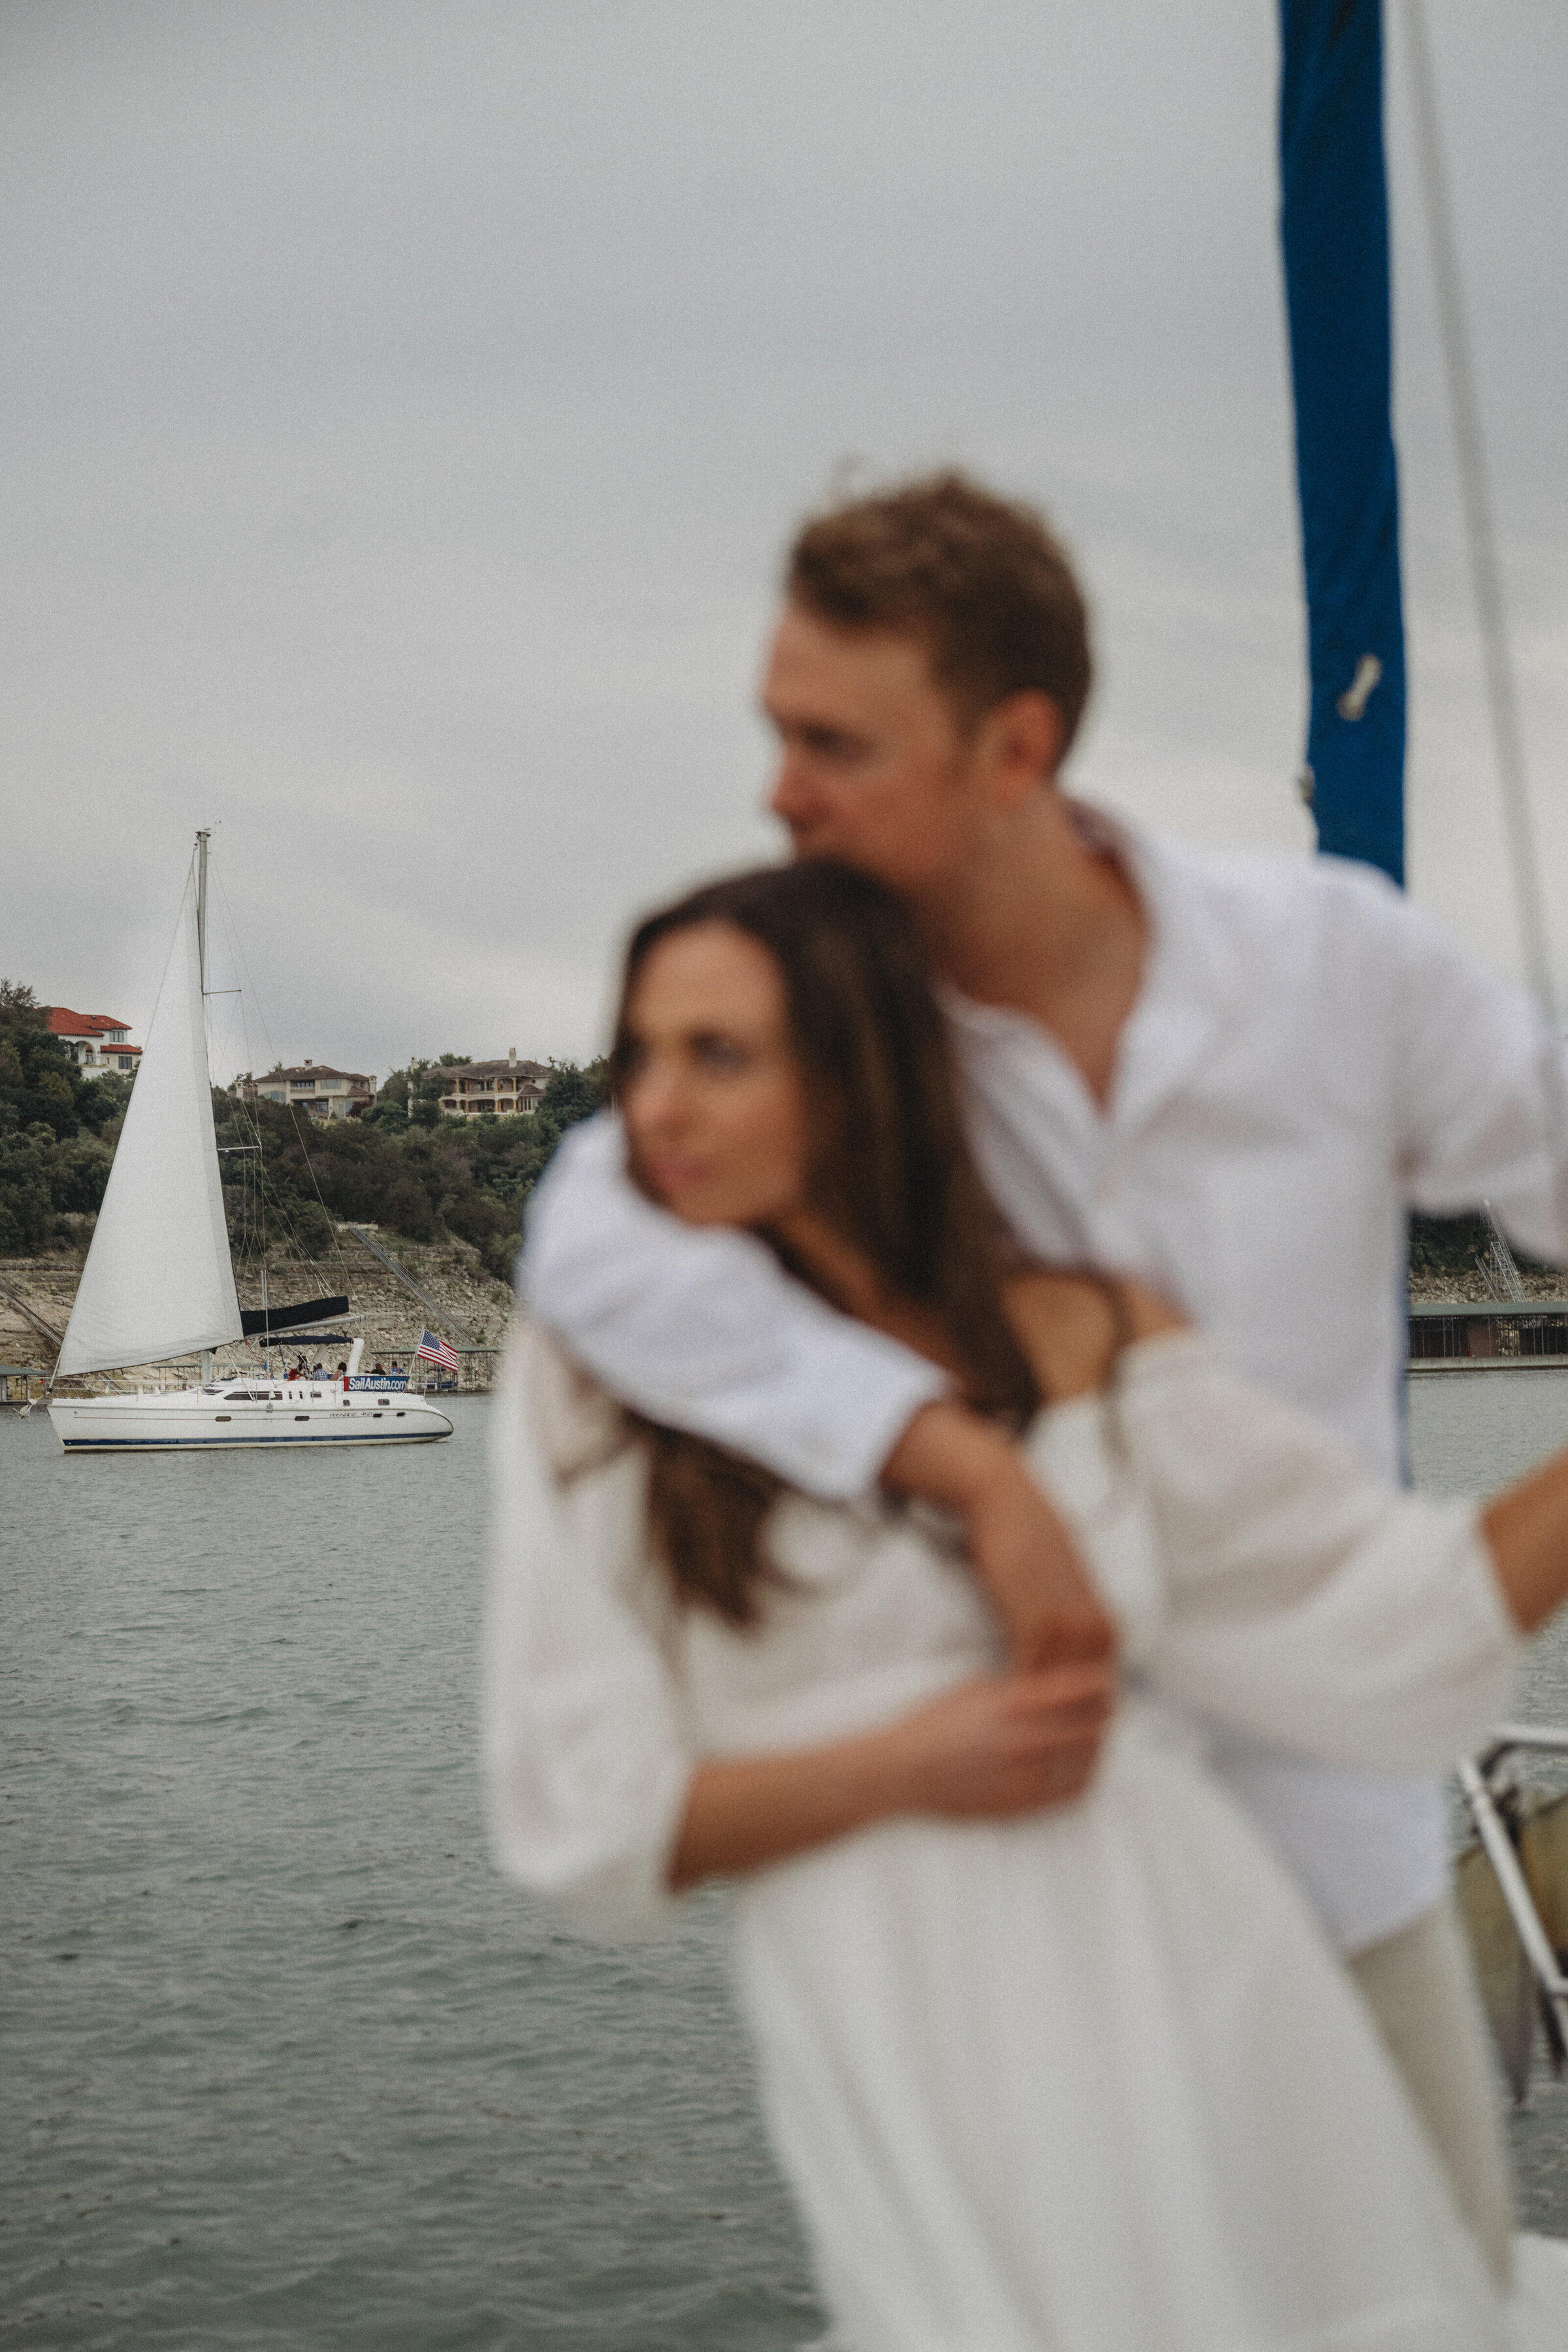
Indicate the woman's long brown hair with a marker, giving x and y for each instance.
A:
(889, 1170)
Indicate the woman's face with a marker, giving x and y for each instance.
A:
(711, 1090)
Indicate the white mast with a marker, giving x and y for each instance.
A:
(201, 840)
(203, 837)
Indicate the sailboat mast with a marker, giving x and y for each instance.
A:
(202, 841)
(203, 837)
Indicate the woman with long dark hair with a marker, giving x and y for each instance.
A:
(1087, 2078)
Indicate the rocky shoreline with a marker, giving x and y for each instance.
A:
(1470, 1290)
(471, 1307)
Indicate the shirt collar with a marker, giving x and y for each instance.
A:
(1190, 983)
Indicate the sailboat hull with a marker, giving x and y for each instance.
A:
(288, 1414)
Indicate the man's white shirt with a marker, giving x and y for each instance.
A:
(1309, 1055)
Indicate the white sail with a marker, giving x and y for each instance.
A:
(159, 1281)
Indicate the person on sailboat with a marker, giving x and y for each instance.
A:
(1083, 2078)
(1228, 1075)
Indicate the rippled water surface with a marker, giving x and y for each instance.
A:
(283, 2063)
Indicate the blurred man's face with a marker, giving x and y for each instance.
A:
(874, 767)
(871, 763)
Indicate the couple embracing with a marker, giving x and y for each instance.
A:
(946, 1483)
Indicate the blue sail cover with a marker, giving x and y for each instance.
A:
(1333, 225)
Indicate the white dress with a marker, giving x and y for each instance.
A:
(1084, 2081)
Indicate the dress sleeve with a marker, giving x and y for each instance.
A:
(701, 1328)
(586, 1761)
(1307, 1602)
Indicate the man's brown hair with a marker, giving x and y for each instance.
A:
(980, 580)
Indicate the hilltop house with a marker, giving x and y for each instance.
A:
(95, 1041)
(509, 1089)
(314, 1089)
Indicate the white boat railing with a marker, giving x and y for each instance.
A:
(1492, 1830)
(1494, 1801)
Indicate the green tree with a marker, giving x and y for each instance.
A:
(26, 1192)
(571, 1093)
(1447, 1247)
(39, 1083)
(53, 1164)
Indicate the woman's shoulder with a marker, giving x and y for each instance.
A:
(575, 1423)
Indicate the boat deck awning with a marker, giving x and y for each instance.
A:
(255, 1322)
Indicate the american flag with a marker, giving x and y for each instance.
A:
(432, 1350)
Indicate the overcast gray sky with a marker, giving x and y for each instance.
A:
(404, 406)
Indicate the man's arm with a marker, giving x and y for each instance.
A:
(701, 1328)
(1483, 1087)
(1020, 1549)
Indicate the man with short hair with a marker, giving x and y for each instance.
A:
(1228, 1075)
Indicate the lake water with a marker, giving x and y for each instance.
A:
(283, 2063)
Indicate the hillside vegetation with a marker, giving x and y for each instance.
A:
(401, 1165)
(57, 1129)
(423, 1176)
(286, 1177)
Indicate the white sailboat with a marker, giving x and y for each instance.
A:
(159, 1279)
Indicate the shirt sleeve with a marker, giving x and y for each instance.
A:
(586, 1759)
(1480, 1082)
(701, 1328)
(1307, 1602)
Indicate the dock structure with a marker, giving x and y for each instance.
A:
(1500, 1334)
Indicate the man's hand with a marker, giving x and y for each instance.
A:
(1022, 1553)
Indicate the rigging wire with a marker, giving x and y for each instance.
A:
(1486, 581)
(244, 1116)
(264, 1186)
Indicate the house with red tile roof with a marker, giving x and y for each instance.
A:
(96, 1041)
